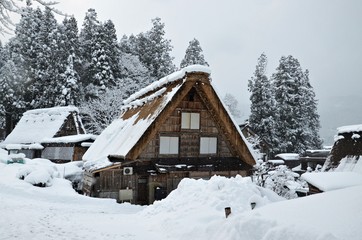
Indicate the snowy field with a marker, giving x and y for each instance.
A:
(194, 211)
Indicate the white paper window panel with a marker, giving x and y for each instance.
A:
(190, 120)
(65, 153)
(208, 145)
(185, 120)
(195, 121)
(169, 145)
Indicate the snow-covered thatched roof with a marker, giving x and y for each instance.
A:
(39, 124)
(350, 129)
(140, 110)
(348, 143)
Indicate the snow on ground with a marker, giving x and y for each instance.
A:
(193, 211)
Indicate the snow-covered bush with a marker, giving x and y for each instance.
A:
(283, 181)
(38, 172)
(279, 179)
(39, 177)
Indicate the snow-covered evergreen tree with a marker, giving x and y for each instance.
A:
(87, 40)
(294, 97)
(154, 50)
(68, 62)
(68, 42)
(311, 138)
(47, 77)
(11, 98)
(193, 55)
(112, 48)
(27, 47)
(3, 56)
(69, 94)
(263, 115)
(100, 52)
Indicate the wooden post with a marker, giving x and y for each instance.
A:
(253, 204)
(227, 211)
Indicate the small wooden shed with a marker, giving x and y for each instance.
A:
(175, 128)
(54, 133)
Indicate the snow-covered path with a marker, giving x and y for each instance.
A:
(58, 212)
(193, 211)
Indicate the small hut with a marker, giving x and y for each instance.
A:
(175, 128)
(54, 133)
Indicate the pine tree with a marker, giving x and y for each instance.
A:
(310, 111)
(262, 118)
(49, 71)
(68, 42)
(100, 52)
(154, 50)
(69, 94)
(3, 56)
(87, 39)
(294, 98)
(112, 48)
(193, 55)
(3, 59)
(27, 47)
(11, 98)
(68, 63)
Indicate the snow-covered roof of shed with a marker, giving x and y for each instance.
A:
(349, 129)
(328, 181)
(37, 124)
(70, 139)
(288, 156)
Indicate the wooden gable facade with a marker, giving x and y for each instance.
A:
(193, 136)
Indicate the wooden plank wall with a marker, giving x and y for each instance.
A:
(189, 138)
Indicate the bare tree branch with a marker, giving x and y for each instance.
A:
(16, 6)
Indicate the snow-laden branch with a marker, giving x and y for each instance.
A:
(17, 7)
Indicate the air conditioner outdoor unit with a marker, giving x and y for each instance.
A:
(128, 171)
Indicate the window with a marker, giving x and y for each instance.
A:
(190, 120)
(208, 145)
(168, 145)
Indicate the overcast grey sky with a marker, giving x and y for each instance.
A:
(324, 35)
